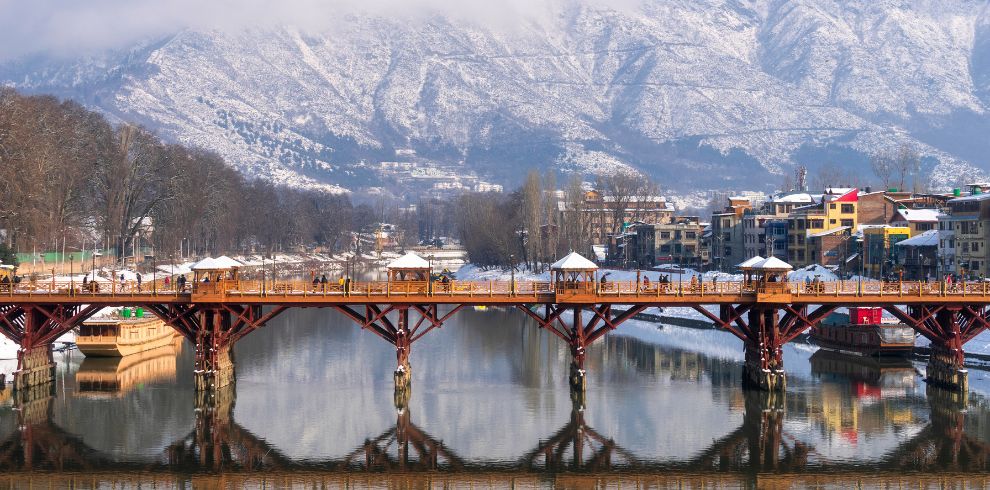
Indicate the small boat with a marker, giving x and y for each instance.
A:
(863, 332)
(119, 335)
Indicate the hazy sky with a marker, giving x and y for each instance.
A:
(73, 27)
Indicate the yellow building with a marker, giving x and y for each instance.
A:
(816, 232)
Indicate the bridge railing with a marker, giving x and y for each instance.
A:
(493, 288)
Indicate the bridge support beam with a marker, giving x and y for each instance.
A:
(580, 334)
(948, 327)
(399, 332)
(213, 330)
(34, 328)
(764, 333)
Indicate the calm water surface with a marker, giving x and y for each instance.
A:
(313, 404)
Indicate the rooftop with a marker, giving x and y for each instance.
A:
(926, 239)
(919, 215)
(573, 262)
(409, 261)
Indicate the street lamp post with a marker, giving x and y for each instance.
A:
(512, 269)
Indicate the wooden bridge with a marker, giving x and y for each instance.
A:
(764, 315)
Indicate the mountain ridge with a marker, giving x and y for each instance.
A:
(707, 94)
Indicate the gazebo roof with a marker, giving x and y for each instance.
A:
(772, 264)
(209, 264)
(574, 262)
(409, 261)
(227, 261)
(749, 263)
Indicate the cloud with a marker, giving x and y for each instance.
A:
(75, 27)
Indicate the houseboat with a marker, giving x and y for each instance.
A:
(863, 332)
(113, 376)
(121, 334)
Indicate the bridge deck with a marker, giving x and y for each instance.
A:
(502, 293)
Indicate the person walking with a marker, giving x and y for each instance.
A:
(138, 276)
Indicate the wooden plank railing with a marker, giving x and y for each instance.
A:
(521, 289)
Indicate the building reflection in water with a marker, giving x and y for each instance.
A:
(851, 397)
(859, 396)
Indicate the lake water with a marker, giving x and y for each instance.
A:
(313, 406)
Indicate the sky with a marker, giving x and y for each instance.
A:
(78, 27)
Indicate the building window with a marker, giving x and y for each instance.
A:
(690, 235)
(726, 223)
(976, 247)
(848, 209)
(831, 206)
(728, 251)
(831, 221)
(924, 226)
(847, 222)
(665, 235)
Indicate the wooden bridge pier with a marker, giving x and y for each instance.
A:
(34, 327)
(214, 329)
(400, 333)
(764, 333)
(579, 334)
(948, 327)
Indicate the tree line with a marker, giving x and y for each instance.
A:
(70, 178)
(539, 223)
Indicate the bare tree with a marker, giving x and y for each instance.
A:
(906, 164)
(883, 167)
(532, 218)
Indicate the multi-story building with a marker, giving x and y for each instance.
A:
(819, 233)
(878, 248)
(678, 242)
(605, 215)
(970, 225)
(916, 256)
(946, 252)
(765, 235)
(726, 241)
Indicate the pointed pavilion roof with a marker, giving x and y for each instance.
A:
(574, 262)
(749, 263)
(773, 264)
(227, 261)
(409, 261)
(209, 264)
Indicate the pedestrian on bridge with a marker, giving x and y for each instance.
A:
(138, 275)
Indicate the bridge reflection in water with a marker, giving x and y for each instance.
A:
(764, 450)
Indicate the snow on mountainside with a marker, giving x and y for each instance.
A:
(706, 93)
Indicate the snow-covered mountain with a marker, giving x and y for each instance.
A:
(693, 92)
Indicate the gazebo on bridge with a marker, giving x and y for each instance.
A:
(215, 275)
(409, 267)
(573, 272)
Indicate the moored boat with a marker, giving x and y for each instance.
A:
(118, 335)
(863, 332)
(113, 376)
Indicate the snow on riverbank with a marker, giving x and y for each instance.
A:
(471, 272)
